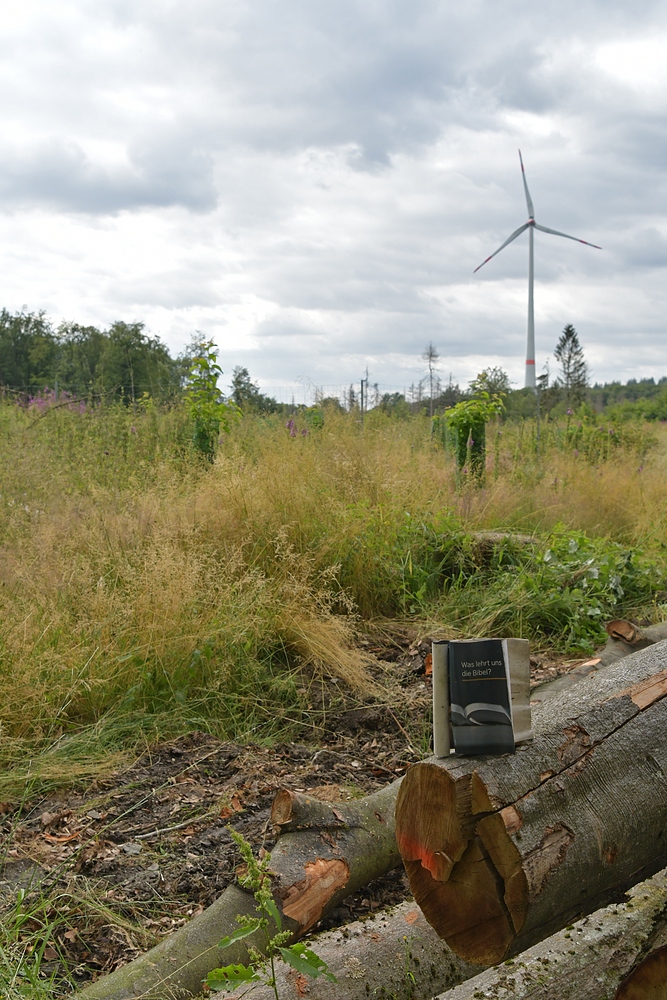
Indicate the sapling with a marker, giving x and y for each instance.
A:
(261, 968)
(468, 420)
(208, 411)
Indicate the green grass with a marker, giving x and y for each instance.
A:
(145, 592)
(34, 959)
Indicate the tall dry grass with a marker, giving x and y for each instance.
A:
(142, 591)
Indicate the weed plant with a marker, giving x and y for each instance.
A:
(262, 967)
(144, 591)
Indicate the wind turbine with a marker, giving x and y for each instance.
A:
(531, 225)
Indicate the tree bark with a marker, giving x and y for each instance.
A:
(395, 953)
(502, 851)
(617, 953)
(649, 980)
(624, 639)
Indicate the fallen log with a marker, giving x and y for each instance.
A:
(485, 544)
(630, 637)
(395, 953)
(503, 851)
(624, 639)
(616, 953)
(326, 852)
(312, 833)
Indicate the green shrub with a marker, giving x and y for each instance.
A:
(562, 590)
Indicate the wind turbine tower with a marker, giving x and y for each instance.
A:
(531, 226)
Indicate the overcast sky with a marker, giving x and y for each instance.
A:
(311, 184)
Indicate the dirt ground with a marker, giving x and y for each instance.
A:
(131, 858)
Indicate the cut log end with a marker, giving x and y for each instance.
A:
(502, 851)
(619, 628)
(295, 811)
(464, 870)
(281, 810)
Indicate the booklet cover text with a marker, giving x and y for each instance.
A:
(479, 697)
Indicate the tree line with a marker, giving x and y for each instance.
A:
(567, 391)
(125, 363)
(122, 362)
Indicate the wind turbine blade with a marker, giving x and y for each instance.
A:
(517, 232)
(554, 232)
(529, 200)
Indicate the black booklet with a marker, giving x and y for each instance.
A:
(479, 697)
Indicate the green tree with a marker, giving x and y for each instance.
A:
(495, 381)
(28, 351)
(208, 411)
(123, 360)
(133, 364)
(468, 420)
(80, 350)
(573, 368)
(245, 393)
(450, 394)
(394, 403)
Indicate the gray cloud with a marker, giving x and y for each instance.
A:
(57, 172)
(314, 184)
(175, 85)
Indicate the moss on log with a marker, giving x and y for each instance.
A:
(395, 954)
(326, 851)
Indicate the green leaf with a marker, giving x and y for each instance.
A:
(275, 913)
(231, 976)
(242, 932)
(306, 961)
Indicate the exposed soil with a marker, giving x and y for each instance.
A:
(131, 858)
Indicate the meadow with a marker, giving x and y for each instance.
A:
(145, 592)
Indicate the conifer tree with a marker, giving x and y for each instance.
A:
(573, 368)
